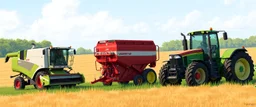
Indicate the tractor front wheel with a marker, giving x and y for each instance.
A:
(163, 74)
(19, 83)
(196, 74)
(138, 80)
(149, 76)
(239, 68)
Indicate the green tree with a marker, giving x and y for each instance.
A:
(81, 50)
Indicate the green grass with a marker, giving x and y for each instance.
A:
(97, 86)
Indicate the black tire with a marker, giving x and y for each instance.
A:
(38, 85)
(107, 84)
(229, 68)
(138, 80)
(19, 83)
(149, 72)
(163, 74)
(191, 74)
(124, 83)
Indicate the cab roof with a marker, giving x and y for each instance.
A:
(203, 32)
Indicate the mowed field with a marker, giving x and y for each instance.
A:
(172, 96)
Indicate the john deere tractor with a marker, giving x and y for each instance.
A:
(44, 67)
(200, 62)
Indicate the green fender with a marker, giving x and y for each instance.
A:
(230, 52)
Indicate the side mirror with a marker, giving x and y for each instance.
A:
(225, 36)
(74, 51)
(44, 52)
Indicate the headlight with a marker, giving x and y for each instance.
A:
(170, 57)
(176, 57)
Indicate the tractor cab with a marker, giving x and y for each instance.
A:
(207, 40)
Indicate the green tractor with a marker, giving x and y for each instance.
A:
(44, 67)
(202, 63)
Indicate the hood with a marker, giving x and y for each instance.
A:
(188, 52)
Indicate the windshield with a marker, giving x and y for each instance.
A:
(199, 41)
(58, 57)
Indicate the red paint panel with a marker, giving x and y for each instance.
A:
(190, 51)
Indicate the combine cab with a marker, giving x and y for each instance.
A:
(202, 63)
(126, 60)
(44, 67)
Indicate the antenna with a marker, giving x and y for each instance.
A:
(33, 46)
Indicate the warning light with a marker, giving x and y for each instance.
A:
(243, 47)
(210, 28)
(50, 47)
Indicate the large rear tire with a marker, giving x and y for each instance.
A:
(196, 74)
(239, 68)
(19, 83)
(150, 76)
(163, 74)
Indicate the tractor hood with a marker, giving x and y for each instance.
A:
(188, 52)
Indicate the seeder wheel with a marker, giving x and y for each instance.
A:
(19, 83)
(107, 84)
(149, 76)
(138, 80)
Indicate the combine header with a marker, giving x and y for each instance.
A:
(44, 67)
(126, 60)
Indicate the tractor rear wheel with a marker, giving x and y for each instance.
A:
(150, 76)
(239, 68)
(38, 82)
(196, 74)
(19, 83)
(138, 80)
(163, 74)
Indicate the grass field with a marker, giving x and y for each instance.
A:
(91, 95)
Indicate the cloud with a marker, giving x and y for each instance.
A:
(8, 21)
(61, 23)
(188, 22)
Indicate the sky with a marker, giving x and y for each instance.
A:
(81, 23)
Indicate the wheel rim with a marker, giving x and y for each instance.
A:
(242, 69)
(151, 77)
(140, 80)
(200, 76)
(17, 84)
(38, 82)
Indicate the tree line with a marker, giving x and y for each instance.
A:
(13, 45)
(173, 45)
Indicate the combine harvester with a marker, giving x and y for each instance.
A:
(126, 60)
(44, 67)
(202, 63)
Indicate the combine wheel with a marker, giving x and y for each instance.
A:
(19, 83)
(196, 74)
(107, 84)
(163, 74)
(138, 80)
(39, 85)
(149, 76)
(239, 68)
